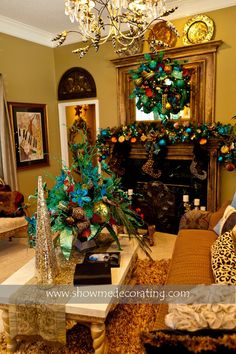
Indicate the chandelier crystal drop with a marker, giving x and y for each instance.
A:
(123, 22)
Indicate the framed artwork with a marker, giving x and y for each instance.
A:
(30, 133)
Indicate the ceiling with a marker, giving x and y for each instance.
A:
(40, 20)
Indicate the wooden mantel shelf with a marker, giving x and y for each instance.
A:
(175, 52)
(177, 151)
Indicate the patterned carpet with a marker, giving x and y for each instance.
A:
(123, 325)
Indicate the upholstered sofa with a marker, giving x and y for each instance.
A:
(12, 214)
(190, 264)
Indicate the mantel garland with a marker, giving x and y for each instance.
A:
(162, 86)
(156, 136)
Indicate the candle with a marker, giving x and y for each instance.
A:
(203, 208)
(185, 198)
(130, 191)
(196, 202)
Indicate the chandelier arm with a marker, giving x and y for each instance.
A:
(101, 21)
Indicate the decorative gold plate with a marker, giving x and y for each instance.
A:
(162, 32)
(198, 29)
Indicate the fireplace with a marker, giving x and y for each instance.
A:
(159, 184)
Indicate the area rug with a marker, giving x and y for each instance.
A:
(123, 325)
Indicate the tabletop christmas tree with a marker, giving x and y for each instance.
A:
(87, 198)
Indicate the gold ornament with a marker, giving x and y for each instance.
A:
(63, 206)
(121, 139)
(148, 75)
(139, 81)
(70, 220)
(224, 149)
(168, 105)
(102, 210)
(143, 137)
(45, 257)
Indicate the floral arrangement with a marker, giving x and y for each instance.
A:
(158, 136)
(87, 198)
(162, 86)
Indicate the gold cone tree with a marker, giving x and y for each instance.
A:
(45, 256)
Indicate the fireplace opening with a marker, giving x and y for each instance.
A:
(159, 187)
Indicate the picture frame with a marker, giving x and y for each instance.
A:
(111, 258)
(29, 123)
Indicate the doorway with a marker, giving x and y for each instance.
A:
(66, 118)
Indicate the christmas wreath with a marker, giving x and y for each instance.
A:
(162, 86)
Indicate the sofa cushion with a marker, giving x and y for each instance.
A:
(11, 204)
(216, 216)
(223, 259)
(192, 264)
(227, 222)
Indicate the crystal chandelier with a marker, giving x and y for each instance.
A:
(123, 22)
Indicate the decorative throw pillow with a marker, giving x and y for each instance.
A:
(227, 222)
(193, 317)
(223, 259)
(217, 215)
(11, 204)
(195, 219)
(233, 203)
(4, 187)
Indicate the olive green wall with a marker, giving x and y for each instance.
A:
(29, 77)
(32, 72)
(98, 64)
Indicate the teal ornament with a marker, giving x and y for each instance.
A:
(162, 142)
(188, 130)
(104, 132)
(177, 68)
(147, 56)
(220, 158)
(180, 83)
(152, 64)
(143, 67)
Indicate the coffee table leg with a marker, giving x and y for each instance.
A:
(98, 332)
(11, 343)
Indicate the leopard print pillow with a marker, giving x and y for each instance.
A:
(223, 259)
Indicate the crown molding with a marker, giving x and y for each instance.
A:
(186, 8)
(29, 33)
